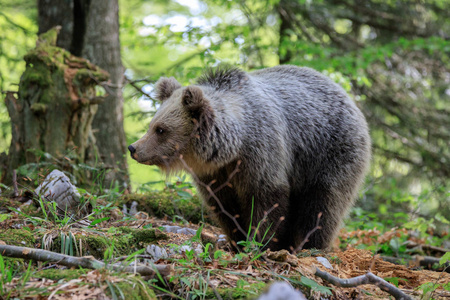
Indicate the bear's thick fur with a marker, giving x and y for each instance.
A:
(302, 144)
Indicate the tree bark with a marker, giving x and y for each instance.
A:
(91, 30)
(102, 47)
(55, 105)
(57, 13)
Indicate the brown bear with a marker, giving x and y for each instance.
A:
(300, 145)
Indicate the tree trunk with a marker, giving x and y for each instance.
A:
(57, 13)
(102, 47)
(56, 104)
(93, 32)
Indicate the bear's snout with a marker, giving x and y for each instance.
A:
(132, 150)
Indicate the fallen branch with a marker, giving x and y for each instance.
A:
(87, 262)
(368, 278)
(423, 248)
(427, 262)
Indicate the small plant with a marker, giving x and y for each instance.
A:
(182, 186)
(429, 288)
(314, 286)
(6, 276)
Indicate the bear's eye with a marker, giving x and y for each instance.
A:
(159, 130)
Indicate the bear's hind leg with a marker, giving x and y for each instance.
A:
(304, 219)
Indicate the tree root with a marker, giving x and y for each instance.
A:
(368, 278)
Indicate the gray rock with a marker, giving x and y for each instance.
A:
(57, 187)
(133, 208)
(156, 252)
(324, 262)
(187, 231)
(221, 240)
(173, 229)
(282, 291)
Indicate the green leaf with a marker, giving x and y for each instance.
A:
(96, 221)
(393, 280)
(315, 286)
(184, 194)
(445, 258)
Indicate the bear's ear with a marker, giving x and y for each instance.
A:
(192, 98)
(165, 87)
(197, 105)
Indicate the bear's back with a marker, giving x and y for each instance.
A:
(325, 127)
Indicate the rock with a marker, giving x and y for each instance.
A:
(222, 240)
(156, 252)
(282, 291)
(324, 262)
(57, 187)
(187, 231)
(133, 208)
(173, 229)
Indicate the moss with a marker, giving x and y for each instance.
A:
(143, 236)
(125, 241)
(246, 291)
(49, 37)
(5, 202)
(37, 73)
(131, 290)
(38, 107)
(84, 76)
(58, 274)
(18, 237)
(168, 203)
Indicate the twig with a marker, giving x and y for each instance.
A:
(138, 88)
(447, 269)
(87, 262)
(410, 244)
(306, 239)
(213, 193)
(423, 261)
(368, 278)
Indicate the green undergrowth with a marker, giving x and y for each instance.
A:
(122, 240)
(169, 204)
(115, 285)
(18, 237)
(58, 274)
(243, 290)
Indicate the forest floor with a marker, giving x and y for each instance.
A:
(193, 261)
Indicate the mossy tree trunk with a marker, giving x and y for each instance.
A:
(92, 31)
(55, 106)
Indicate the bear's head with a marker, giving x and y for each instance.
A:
(184, 115)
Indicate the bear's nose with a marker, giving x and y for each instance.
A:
(132, 149)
